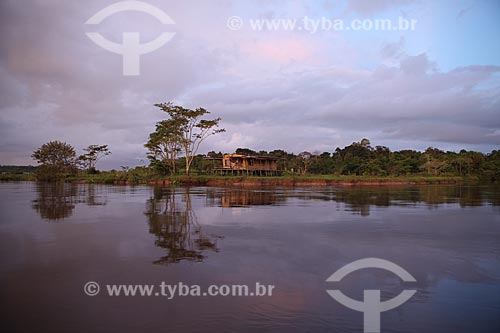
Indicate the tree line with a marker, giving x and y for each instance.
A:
(179, 135)
(172, 148)
(58, 160)
(361, 159)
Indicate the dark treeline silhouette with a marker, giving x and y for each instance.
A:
(361, 159)
(17, 169)
(59, 161)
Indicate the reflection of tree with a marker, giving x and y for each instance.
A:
(360, 199)
(91, 197)
(176, 227)
(56, 201)
(242, 197)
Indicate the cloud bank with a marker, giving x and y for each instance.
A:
(289, 90)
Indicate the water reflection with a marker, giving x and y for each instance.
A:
(56, 201)
(360, 199)
(172, 219)
(302, 234)
(230, 197)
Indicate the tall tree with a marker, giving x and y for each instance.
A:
(191, 126)
(57, 160)
(94, 154)
(165, 144)
(305, 157)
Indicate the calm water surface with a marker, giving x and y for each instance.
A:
(54, 239)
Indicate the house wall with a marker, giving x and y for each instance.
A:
(242, 163)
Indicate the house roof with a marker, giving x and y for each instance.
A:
(257, 157)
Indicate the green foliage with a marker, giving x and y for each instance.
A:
(361, 159)
(17, 169)
(94, 154)
(490, 168)
(54, 173)
(184, 130)
(358, 160)
(138, 174)
(57, 161)
(245, 151)
(213, 154)
(17, 176)
(164, 145)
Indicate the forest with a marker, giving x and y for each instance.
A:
(172, 149)
(361, 159)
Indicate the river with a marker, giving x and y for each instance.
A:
(55, 239)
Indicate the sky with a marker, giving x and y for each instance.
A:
(294, 89)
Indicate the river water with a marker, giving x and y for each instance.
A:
(54, 239)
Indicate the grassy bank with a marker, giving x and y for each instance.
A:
(287, 180)
(17, 177)
(147, 177)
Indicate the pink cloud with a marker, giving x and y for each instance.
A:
(282, 51)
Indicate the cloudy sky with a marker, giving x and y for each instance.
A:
(438, 85)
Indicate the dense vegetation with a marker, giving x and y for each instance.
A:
(173, 146)
(17, 169)
(361, 159)
(180, 134)
(58, 160)
(17, 172)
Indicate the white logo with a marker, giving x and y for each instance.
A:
(131, 49)
(91, 288)
(372, 306)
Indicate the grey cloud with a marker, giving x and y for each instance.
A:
(371, 7)
(393, 50)
(56, 84)
(416, 99)
(46, 60)
(416, 65)
(463, 12)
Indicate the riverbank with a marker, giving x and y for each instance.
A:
(15, 177)
(285, 181)
(234, 181)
